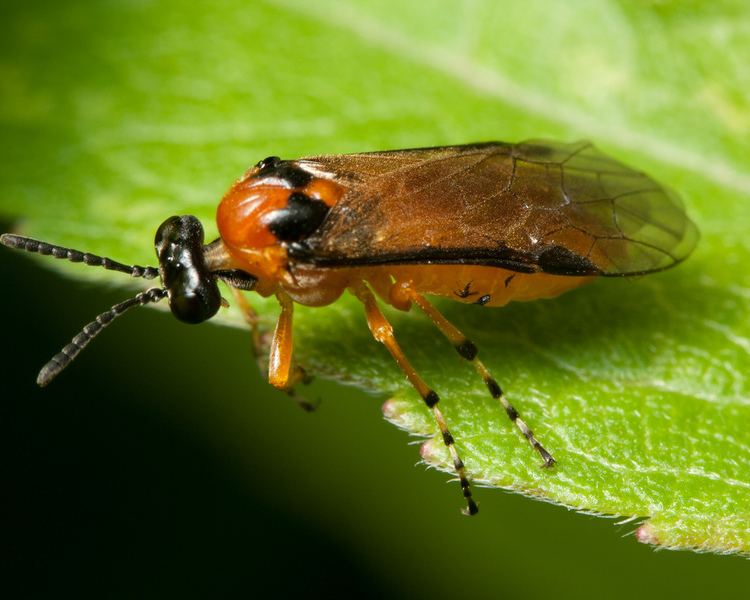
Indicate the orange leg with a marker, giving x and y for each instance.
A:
(382, 331)
(466, 348)
(280, 357)
(251, 318)
(282, 372)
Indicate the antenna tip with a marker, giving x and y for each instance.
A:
(8, 239)
(47, 374)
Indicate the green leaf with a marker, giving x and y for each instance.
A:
(116, 115)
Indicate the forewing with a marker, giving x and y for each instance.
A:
(620, 219)
(536, 206)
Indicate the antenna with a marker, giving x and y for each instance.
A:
(31, 245)
(61, 360)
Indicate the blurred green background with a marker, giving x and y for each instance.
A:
(162, 465)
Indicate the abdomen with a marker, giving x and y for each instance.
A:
(470, 284)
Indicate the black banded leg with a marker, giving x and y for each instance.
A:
(467, 350)
(382, 331)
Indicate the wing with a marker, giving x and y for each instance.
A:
(541, 206)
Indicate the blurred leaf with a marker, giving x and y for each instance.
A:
(116, 115)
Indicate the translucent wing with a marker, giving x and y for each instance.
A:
(544, 206)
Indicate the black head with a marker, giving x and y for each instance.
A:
(191, 287)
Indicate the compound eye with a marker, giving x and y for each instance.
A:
(196, 305)
(298, 219)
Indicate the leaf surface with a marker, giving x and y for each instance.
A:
(116, 116)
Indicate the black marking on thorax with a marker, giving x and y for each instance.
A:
(300, 218)
(285, 172)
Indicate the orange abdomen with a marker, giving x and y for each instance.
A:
(470, 284)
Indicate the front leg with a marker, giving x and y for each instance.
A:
(251, 319)
(283, 374)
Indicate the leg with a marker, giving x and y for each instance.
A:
(280, 357)
(282, 373)
(468, 351)
(251, 318)
(382, 331)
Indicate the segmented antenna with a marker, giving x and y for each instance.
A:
(31, 245)
(61, 360)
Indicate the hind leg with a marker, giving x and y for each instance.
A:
(468, 351)
(382, 331)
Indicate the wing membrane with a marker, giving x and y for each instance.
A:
(534, 206)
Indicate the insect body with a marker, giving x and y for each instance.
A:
(481, 223)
